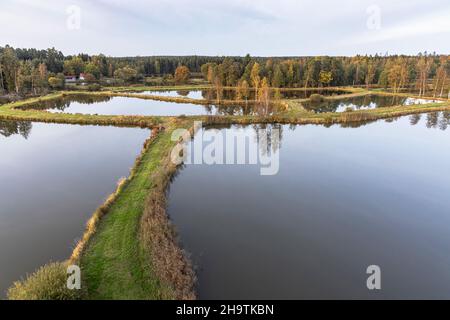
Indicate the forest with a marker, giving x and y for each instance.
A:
(32, 71)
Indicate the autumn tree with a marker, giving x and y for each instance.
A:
(278, 77)
(182, 74)
(370, 74)
(255, 77)
(126, 74)
(264, 94)
(441, 76)
(56, 82)
(74, 66)
(93, 69)
(325, 77)
(243, 90)
(423, 68)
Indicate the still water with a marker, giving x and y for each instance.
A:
(343, 199)
(363, 103)
(53, 177)
(84, 104)
(231, 94)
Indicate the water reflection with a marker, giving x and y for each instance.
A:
(9, 128)
(362, 103)
(93, 104)
(51, 183)
(343, 199)
(231, 94)
(61, 104)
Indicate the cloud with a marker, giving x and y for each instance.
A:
(432, 24)
(232, 27)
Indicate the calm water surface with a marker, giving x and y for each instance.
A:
(363, 103)
(343, 199)
(53, 177)
(135, 106)
(230, 94)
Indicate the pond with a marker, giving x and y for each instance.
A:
(363, 103)
(103, 105)
(53, 178)
(231, 94)
(342, 200)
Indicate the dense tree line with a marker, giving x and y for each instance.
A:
(423, 72)
(35, 71)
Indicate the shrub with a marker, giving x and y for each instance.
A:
(317, 97)
(47, 283)
(94, 87)
(56, 82)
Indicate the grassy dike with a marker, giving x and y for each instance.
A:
(129, 249)
(116, 259)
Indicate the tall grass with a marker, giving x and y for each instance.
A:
(49, 282)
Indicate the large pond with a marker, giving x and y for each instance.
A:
(53, 177)
(342, 200)
(231, 94)
(103, 105)
(363, 103)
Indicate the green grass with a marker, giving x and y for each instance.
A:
(115, 265)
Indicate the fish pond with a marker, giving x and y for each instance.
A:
(104, 105)
(343, 199)
(362, 103)
(53, 177)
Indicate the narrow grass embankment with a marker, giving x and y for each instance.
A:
(132, 253)
(407, 95)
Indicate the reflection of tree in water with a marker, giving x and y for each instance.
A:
(444, 121)
(414, 119)
(9, 128)
(305, 94)
(223, 94)
(272, 135)
(63, 103)
(432, 119)
(357, 103)
(438, 119)
(183, 93)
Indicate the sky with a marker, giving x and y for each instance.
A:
(228, 27)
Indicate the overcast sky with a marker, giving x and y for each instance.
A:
(228, 27)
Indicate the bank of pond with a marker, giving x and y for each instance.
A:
(343, 198)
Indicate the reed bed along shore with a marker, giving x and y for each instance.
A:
(130, 248)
